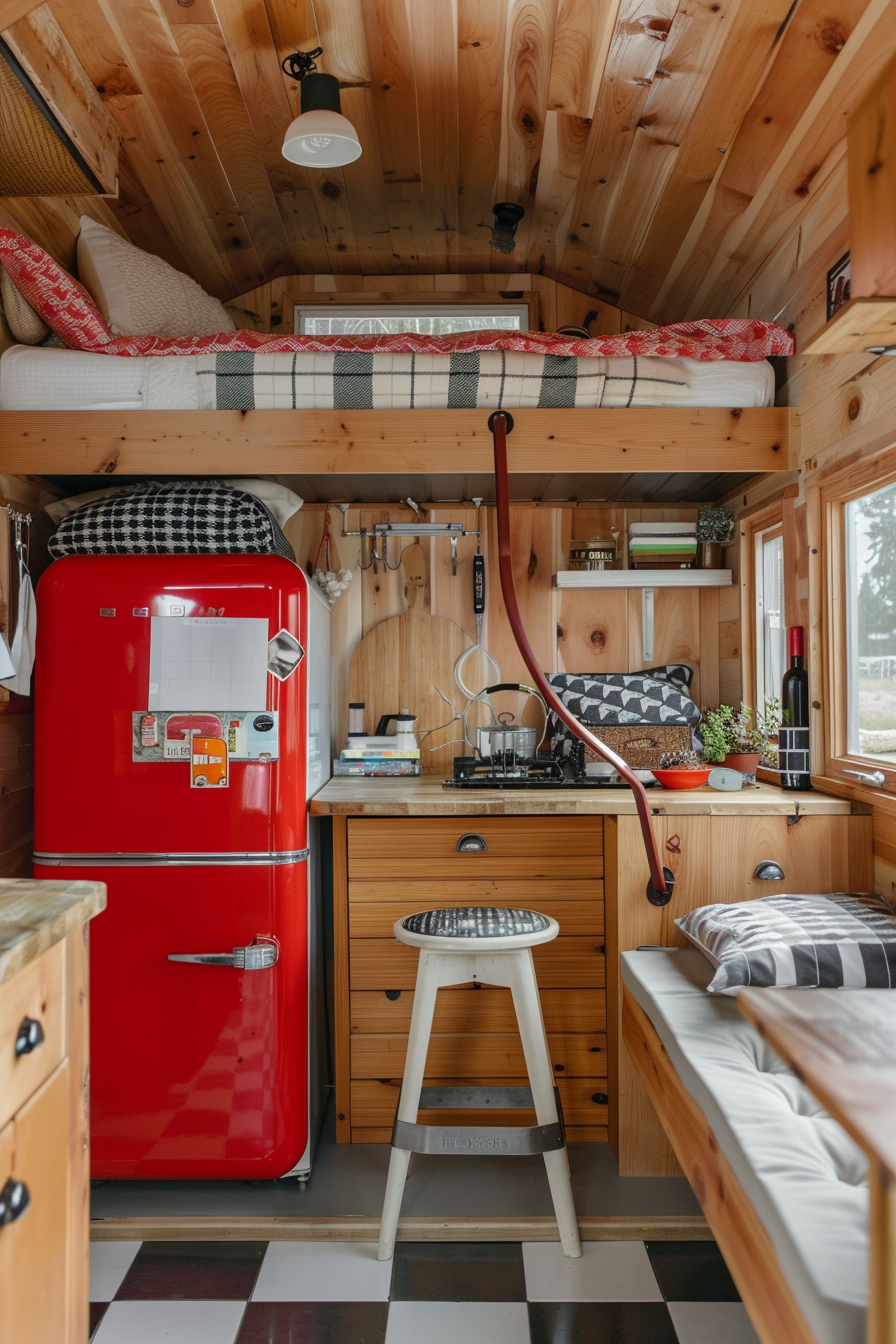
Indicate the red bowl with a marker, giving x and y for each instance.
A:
(681, 779)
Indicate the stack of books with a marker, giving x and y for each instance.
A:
(662, 545)
(377, 761)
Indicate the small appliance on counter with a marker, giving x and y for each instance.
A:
(381, 753)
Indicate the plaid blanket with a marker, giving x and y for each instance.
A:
(362, 380)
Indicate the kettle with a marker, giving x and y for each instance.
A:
(404, 738)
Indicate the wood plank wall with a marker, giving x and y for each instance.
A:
(16, 713)
(571, 630)
(848, 420)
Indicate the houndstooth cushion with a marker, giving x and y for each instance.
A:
(475, 921)
(171, 518)
(843, 941)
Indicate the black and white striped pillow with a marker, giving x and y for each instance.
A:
(843, 941)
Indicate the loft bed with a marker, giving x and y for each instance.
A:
(656, 402)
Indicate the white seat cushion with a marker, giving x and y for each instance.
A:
(802, 1173)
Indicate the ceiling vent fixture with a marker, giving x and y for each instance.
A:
(507, 217)
(321, 137)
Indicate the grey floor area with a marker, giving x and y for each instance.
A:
(350, 1180)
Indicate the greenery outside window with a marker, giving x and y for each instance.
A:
(762, 613)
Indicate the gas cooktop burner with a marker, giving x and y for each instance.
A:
(541, 772)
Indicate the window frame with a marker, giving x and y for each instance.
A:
(763, 524)
(831, 498)
(455, 300)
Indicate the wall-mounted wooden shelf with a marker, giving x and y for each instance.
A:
(854, 327)
(643, 578)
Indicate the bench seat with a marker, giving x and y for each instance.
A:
(803, 1175)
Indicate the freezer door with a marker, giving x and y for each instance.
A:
(93, 671)
(199, 1068)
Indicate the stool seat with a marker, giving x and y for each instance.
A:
(499, 929)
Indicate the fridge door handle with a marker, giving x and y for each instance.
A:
(259, 955)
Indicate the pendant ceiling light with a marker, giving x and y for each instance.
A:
(321, 137)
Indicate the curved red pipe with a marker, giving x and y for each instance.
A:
(498, 424)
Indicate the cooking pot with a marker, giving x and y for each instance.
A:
(498, 741)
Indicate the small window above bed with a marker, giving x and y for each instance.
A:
(436, 319)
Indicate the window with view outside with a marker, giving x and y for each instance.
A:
(335, 321)
(770, 632)
(871, 624)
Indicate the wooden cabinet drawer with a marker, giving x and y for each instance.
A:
(375, 918)
(490, 1056)
(34, 1149)
(487, 1008)
(817, 854)
(412, 848)
(36, 993)
(384, 963)
(374, 1101)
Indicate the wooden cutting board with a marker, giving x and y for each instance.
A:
(399, 663)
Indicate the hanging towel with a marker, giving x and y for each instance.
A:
(20, 656)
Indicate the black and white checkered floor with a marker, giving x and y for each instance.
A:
(326, 1292)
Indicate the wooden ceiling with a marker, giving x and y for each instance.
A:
(674, 157)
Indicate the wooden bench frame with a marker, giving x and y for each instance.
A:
(743, 1240)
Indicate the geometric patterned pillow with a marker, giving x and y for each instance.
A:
(171, 518)
(55, 296)
(624, 697)
(843, 941)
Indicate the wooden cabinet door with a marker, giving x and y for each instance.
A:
(34, 1149)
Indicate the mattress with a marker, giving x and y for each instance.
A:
(38, 379)
(802, 1173)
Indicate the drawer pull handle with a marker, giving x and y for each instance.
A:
(600, 1098)
(14, 1200)
(471, 843)
(29, 1036)
(768, 871)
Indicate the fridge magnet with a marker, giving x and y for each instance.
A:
(208, 763)
(838, 285)
(284, 655)
(250, 734)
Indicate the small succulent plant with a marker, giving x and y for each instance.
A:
(679, 760)
(715, 522)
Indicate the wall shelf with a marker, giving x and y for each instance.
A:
(643, 578)
(860, 323)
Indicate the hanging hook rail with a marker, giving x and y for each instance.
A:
(453, 531)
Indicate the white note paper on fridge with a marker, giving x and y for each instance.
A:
(206, 662)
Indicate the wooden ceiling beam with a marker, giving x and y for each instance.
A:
(802, 59)
(689, 54)
(635, 51)
(708, 136)
(527, 74)
(811, 152)
(481, 42)
(204, 53)
(433, 32)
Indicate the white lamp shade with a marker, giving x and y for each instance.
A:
(321, 139)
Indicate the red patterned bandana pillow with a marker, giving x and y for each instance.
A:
(56, 296)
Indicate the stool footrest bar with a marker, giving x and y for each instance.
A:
(510, 1141)
(472, 1097)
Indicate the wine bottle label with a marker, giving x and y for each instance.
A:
(793, 750)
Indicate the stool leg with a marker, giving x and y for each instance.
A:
(409, 1099)
(527, 1006)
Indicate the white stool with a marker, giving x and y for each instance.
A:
(492, 946)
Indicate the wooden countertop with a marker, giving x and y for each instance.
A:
(35, 914)
(842, 1043)
(425, 797)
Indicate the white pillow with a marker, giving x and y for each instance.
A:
(141, 295)
(279, 501)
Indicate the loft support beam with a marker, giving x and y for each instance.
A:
(656, 439)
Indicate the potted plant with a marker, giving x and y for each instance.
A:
(737, 738)
(715, 526)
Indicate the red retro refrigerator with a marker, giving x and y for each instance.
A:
(204, 966)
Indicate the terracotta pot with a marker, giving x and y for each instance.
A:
(747, 762)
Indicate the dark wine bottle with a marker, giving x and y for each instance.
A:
(793, 738)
